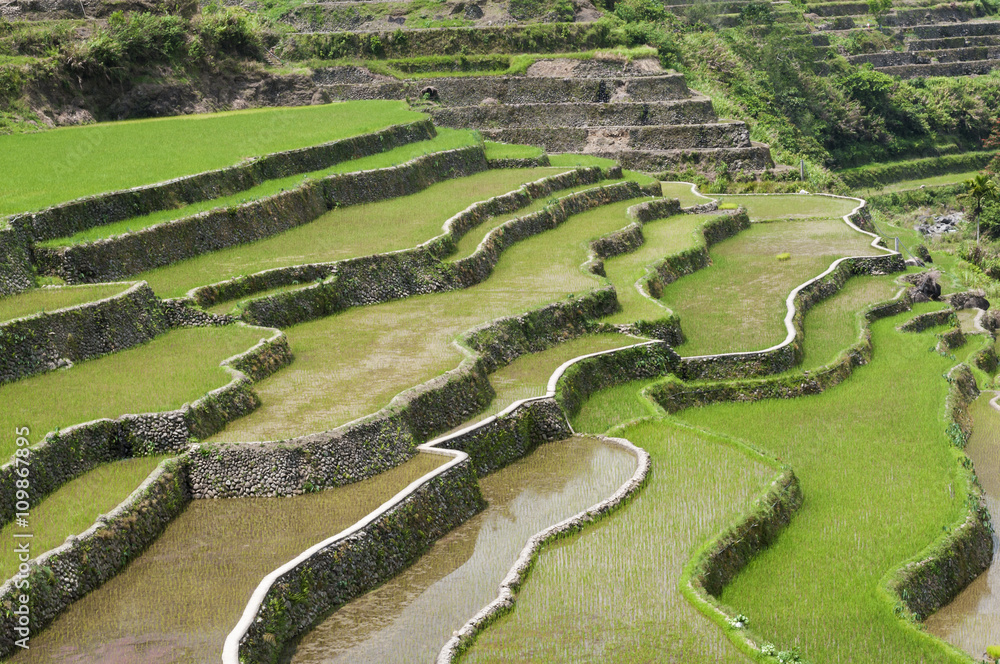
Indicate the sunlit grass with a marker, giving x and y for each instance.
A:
(935, 181)
(74, 507)
(509, 151)
(611, 594)
(471, 240)
(790, 206)
(447, 139)
(182, 596)
(356, 230)
(880, 483)
(108, 156)
(177, 367)
(663, 237)
(529, 375)
(353, 363)
(738, 303)
(682, 192)
(37, 300)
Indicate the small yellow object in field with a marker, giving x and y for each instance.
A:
(728, 206)
(783, 257)
(993, 652)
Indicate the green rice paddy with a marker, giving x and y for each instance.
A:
(356, 230)
(880, 484)
(738, 304)
(447, 139)
(175, 368)
(38, 300)
(353, 363)
(682, 192)
(75, 506)
(790, 206)
(103, 157)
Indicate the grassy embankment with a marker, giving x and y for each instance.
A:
(116, 155)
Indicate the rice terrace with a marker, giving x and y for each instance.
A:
(499, 331)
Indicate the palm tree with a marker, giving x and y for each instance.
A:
(981, 189)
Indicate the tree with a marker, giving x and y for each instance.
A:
(878, 9)
(981, 189)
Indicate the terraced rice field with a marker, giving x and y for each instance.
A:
(879, 474)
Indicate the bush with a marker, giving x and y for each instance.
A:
(232, 31)
(640, 11)
(137, 39)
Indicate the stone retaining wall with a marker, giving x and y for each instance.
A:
(47, 341)
(167, 243)
(70, 218)
(754, 158)
(501, 440)
(349, 565)
(941, 572)
(384, 277)
(516, 90)
(454, 229)
(970, 68)
(68, 453)
(697, 110)
(600, 139)
(675, 395)
(56, 579)
(15, 262)
(929, 320)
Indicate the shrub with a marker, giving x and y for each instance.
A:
(232, 30)
(137, 39)
(640, 11)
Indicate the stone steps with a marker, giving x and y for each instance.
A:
(952, 42)
(900, 58)
(696, 110)
(474, 90)
(623, 139)
(755, 158)
(968, 68)
(966, 29)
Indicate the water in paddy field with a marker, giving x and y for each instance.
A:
(972, 620)
(412, 616)
(177, 601)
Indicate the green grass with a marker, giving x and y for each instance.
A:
(835, 323)
(790, 206)
(880, 484)
(935, 181)
(447, 139)
(663, 238)
(75, 506)
(528, 376)
(115, 155)
(682, 192)
(738, 304)
(353, 363)
(356, 230)
(471, 240)
(49, 299)
(507, 151)
(611, 593)
(175, 368)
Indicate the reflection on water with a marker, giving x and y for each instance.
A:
(411, 617)
(177, 602)
(972, 620)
